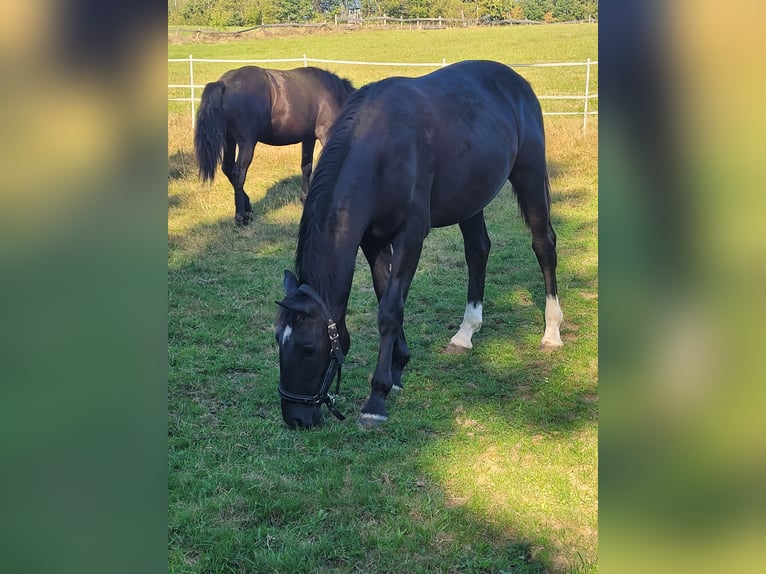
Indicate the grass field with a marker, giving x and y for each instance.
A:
(488, 462)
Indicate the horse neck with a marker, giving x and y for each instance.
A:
(326, 262)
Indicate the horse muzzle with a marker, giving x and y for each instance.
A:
(303, 416)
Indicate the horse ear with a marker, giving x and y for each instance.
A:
(297, 301)
(290, 282)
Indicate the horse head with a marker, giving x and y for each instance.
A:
(310, 354)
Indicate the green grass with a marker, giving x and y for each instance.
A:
(488, 462)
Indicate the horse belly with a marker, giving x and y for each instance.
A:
(463, 190)
(280, 135)
(472, 161)
(289, 125)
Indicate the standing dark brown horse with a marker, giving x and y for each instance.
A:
(276, 107)
(406, 155)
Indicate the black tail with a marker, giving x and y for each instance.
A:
(210, 135)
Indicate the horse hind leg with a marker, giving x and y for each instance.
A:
(229, 151)
(243, 209)
(532, 188)
(477, 245)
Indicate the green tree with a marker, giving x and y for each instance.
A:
(295, 10)
(447, 9)
(536, 9)
(494, 9)
(226, 13)
(197, 12)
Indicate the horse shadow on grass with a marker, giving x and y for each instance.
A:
(284, 192)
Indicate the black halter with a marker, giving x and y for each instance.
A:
(336, 361)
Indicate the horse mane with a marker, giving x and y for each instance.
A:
(343, 87)
(310, 251)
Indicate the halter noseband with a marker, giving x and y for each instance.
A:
(336, 361)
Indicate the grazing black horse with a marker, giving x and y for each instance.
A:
(250, 105)
(406, 155)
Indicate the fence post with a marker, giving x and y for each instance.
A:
(587, 93)
(444, 62)
(305, 62)
(191, 85)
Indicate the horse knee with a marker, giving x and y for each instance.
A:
(389, 322)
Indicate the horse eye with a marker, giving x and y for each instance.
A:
(308, 350)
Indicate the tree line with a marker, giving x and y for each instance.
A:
(255, 12)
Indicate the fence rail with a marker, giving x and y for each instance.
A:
(193, 98)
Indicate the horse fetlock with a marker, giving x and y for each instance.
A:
(472, 319)
(553, 319)
(371, 420)
(376, 406)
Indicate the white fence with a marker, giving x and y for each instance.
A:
(584, 97)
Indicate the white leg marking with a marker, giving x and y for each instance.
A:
(553, 319)
(286, 334)
(372, 417)
(471, 323)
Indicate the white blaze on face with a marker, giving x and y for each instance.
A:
(553, 320)
(471, 323)
(286, 334)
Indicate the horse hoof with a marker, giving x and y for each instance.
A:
(370, 420)
(243, 219)
(453, 349)
(551, 344)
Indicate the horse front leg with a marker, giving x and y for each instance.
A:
(379, 256)
(307, 159)
(404, 262)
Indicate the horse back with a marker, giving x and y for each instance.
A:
(446, 141)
